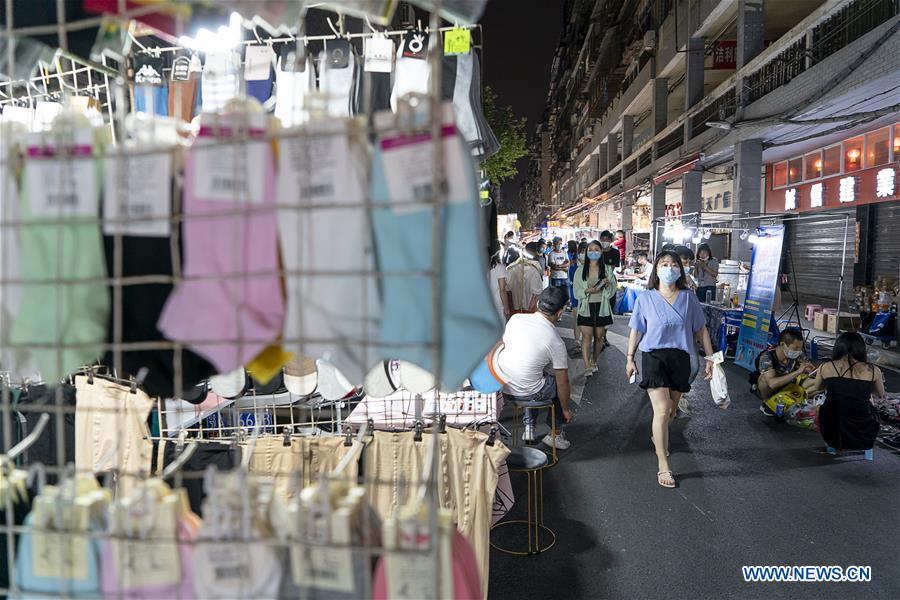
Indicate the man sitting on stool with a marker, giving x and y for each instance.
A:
(531, 343)
(779, 368)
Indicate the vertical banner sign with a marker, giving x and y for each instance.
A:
(765, 268)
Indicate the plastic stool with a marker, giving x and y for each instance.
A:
(811, 310)
(533, 463)
(519, 405)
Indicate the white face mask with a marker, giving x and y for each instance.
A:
(605, 245)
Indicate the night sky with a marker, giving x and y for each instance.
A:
(520, 37)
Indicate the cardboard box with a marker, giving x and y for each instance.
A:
(820, 320)
(842, 322)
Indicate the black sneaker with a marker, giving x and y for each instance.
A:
(766, 410)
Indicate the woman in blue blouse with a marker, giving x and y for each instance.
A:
(666, 321)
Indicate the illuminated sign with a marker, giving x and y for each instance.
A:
(847, 189)
(884, 183)
(816, 195)
(790, 199)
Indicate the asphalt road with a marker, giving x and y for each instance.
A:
(751, 492)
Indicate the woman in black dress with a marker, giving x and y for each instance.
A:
(847, 420)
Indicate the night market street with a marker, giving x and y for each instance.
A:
(751, 492)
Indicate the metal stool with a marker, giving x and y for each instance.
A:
(533, 463)
(518, 406)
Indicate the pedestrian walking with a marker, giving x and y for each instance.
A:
(665, 324)
(595, 283)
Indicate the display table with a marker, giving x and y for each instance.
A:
(629, 297)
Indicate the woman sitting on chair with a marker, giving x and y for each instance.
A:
(847, 420)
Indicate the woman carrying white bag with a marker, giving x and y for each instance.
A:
(666, 321)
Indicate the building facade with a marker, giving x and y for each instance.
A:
(683, 110)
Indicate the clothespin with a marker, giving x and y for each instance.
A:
(491, 437)
(286, 440)
(90, 375)
(418, 435)
(348, 436)
(442, 424)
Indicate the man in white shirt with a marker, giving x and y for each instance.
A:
(532, 343)
(525, 281)
(559, 264)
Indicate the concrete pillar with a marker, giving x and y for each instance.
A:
(627, 216)
(602, 160)
(692, 192)
(612, 151)
(657, 215)
(693, 78)
(747, 192)
(660, 104)
(751, 30)
(627, 136)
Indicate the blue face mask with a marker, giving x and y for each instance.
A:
(593, 255)
(668, 275)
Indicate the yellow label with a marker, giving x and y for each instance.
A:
(457, 41)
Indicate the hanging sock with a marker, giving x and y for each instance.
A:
(291, 89)
(60, 239)
(469, 323)
(268, 363)
(411, 75)
(339, 73)
(333, 309)
(224, 311)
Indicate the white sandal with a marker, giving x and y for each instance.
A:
(659, 479)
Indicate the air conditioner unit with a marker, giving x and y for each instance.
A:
(650, 40)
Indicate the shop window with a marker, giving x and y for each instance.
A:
(795, 170)
(812, 164)
(780, 176)
(726, 199)
(853, 155)
(896, 143)
(831, 161)
(878, 151)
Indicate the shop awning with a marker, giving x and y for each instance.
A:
(681, 169)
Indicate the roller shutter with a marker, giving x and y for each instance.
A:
(886, 247)
(815, 247)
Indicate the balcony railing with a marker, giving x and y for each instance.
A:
(720, 109)
(671, 142)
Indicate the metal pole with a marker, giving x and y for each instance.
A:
(843, 262)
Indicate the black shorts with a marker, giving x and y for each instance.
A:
(666, 368)
(595, 320)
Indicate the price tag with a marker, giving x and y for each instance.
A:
(60, 555)
(138, 196)
(457, 41)
(61, 179)
(258, 63)
(407, 161)
(317, 169)
(226, 171)
(410, 576)
(323, 568)
(148, 562)
(379, 54)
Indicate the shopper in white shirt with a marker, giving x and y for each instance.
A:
(531, 344)
(559, 264)
(525, 280)
(498, 277)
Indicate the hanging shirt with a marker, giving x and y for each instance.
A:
(497, 273)
(667, 325)
(525, 282)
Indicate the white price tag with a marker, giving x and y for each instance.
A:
(62, 555)
(141, 563)
(408, 161)
(61, 180)
(138, 195)
(379, 54)
(226, 171)
(410, 576)
(258, 62)
(323, 568)
(316, 169)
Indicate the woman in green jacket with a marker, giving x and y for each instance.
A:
(595, 284)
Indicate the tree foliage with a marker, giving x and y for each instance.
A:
(510, 132)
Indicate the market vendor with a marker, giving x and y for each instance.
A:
(644, 266)
(778, 369)
(706, 270)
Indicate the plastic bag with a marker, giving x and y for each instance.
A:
(719, 384)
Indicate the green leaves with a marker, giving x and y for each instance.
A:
(510, 132)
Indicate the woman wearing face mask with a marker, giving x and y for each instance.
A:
(595, 284)
(580, 257)
(706, 271)
(666, 321)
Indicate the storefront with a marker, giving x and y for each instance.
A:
(853, 184)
